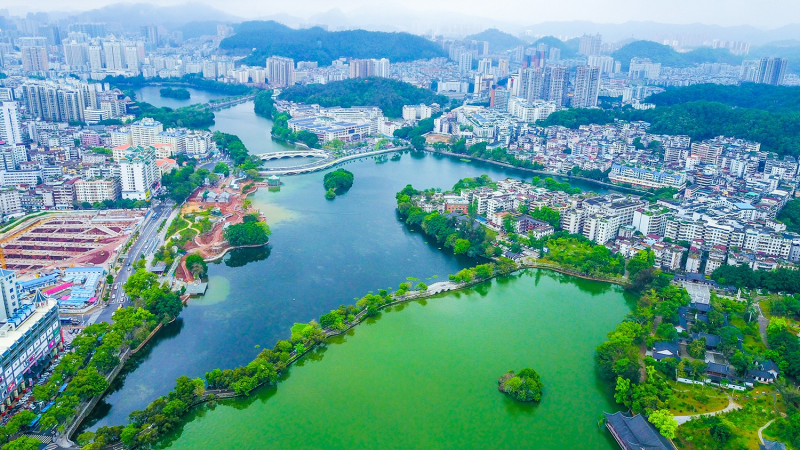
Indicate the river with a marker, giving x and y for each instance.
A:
(424, 375)
(253, 130)
(322, 254)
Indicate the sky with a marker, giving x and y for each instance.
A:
(760, 13)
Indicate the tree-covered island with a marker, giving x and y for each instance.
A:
(337, 182)
(177, 93)
(525, 386)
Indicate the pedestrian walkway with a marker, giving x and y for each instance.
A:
(732, 406)
(43, 438)
(94, 316)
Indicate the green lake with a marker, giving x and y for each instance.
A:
(424, 375)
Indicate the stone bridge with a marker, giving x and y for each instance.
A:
(310, 153)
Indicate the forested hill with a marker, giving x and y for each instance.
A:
(748, 95)
(315, 44)
(665, 55)
(498, 40)
(387, 94)
(766, 114)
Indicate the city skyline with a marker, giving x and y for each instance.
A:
(769, 14)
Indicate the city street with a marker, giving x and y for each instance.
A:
(147, 242)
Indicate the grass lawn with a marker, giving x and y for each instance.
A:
(178, 223)
(744, 425)
(695, 399)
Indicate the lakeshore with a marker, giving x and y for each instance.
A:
(445, 324)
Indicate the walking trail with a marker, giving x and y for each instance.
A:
(732, 406)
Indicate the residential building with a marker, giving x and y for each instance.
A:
(10, 131)
(30, 334)
(280, 71)
(92, 191)
(771, 71)
(138, 173)
(587, 85)
(144, 132)
(34, 54)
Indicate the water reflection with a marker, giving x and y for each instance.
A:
(243, 256)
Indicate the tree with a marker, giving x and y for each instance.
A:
(461, 247)
(508, 223)
(644, 259)
(247, 233)
(339, 180)
(137, 283)
(721, 430)
(418, 142)
(697, 348)
(546, 214)
(222, 168)
(88, 383)
(197, 265)
(23, 443)
(525, 386)
(665, 422)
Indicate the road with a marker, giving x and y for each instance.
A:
(147, 242)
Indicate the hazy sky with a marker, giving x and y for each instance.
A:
(761, 13)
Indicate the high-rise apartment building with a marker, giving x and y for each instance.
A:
(485, 66)
(362, 68)
(382, 67)
(10, 131)
(587, 85)
(503, 68)
(138, 172)
(90, 29)
(280, 71)
(144, 132)
(54, 102)
(75, 54)
(604, 63)
(771, 71)
(95, 57)
(150, 34)
(114, 55)
(644, 69)
(465, 62)
(590, 45)
(34, 54)
(555, 84)
(92, 191)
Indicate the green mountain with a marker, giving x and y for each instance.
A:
(262, 39)
(761, 113)
(668, 57)
(748, 95)
(498, 40)
(387, 94)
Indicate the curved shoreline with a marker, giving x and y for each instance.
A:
(225, 252)
(361, 316)
(541, 172)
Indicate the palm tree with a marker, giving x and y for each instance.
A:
(751, 309)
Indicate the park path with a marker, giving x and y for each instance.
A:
(760, 437)
(732, 406)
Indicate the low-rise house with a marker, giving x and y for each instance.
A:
(662, 350)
